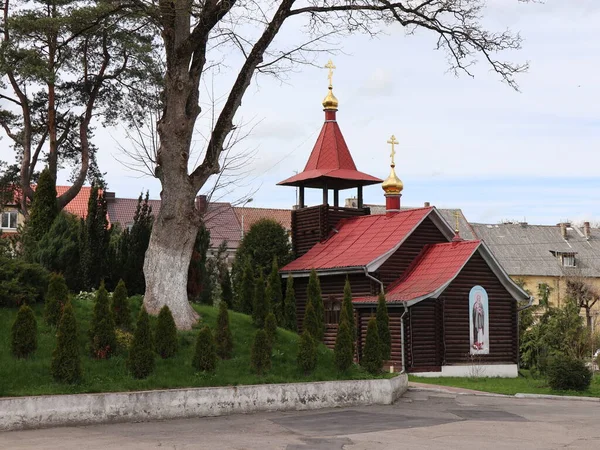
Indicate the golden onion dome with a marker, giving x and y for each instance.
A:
(393, 185)
(330, 102)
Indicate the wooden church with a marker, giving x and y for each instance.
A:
(453, 309)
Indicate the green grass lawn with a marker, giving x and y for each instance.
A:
(32, 376)
(524, 384)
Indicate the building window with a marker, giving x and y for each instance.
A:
(9, 220)
(568, 260)
(332, 310)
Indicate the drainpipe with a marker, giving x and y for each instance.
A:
(528, 305)
(402, 336)
(368, 275)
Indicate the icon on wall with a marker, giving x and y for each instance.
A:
(479, 321)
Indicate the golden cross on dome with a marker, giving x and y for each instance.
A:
(330, 66)
(457, 217)
(393, 141)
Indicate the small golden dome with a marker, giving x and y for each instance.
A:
(393, 185)
(330, 102)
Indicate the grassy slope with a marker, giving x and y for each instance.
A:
(32, 376)
(523, 384)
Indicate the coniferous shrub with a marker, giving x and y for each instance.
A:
(289, 306)
(124, 340)
(120, 307)
(56, 297)
(226, 289)
(348, 311)
(271, 329)
(44, 207)
(66, 361)
(383, 328)
(224, 338)
(343, 351)
(165, 337)
(274, 292)
(205, 354)
(141, 354)
(260, 308)
(102, 331)
(566, 373)
(21, 282)
(371, 358)
(307, 353)
(23, 338)
(311, 323)
(260, 354)
(314, 297)
(246, 291)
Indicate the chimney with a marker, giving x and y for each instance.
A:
(563, 230)
(587, 230)
(426, 205)
(201, 203)
(109, 196)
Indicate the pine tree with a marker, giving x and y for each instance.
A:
(246, 290)
(307, 353)
(140, 361)
(102, 331)
(343, 352)
(314, 297)
(289, 307)
(120, 307)
(260, 307)
(138, 240)
(226, 289)
(371, 358)
(66, 361)
(165, 337)
(56, 298)
(205, 354)
(311, 324)
(271, 329)
(23, 339)
(224, 338)
(260, 354)
(44, 207)
(383, 328)
(348, 311)
(274, 292)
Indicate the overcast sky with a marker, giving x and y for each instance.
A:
(470, 143)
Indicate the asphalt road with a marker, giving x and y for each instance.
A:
(420, 420)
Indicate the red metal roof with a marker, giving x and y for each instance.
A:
(360, 241)
(433, 269)
(330, 158)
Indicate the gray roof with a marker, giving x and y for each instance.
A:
(524, 249)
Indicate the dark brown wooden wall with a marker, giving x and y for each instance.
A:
(314, 224)
(502, 316)
(425, 343)
(426, 233)
(363, 316)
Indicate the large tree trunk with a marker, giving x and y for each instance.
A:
(168, 257)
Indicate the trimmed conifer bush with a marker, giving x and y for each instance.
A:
(226, 289)
(260, 308)
(23, 338)
(307, 353)
(371, 357)
(224, 338)
(566, 373)
(314, 296)
(271, 329)
(56, 297)
(141, 354)
(311, 323)
(348, 311)
(383, 328)
(343, 351)
(289, 306)
(245, 294)
(274, 292)
(260, 354)
(120, 307)
(205, 354)
(102, 331)
(165, 337)
(66, 361)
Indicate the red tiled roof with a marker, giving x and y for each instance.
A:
(252, 215)
(79, 205)
(433, 269)
(360, 241)
(331, 158)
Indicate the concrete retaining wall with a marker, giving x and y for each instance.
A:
(84, 409)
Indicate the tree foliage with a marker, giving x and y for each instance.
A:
(275, 292)
(165, 337)
(66, 360)
(120, 308)
(137, 240)
(371, 357)
(347, 311)
(95, 239)
(23, 336)
(140, 361)
(289, 306)
(307, 353)
(224, 338)
(311, 322)
(315, 298)
(205, 355)
(343, 351)
(566, 373)
(260, 353)
(245, 292)
(226, 288)
(43, 208)
(383, 328)
(102, 330)
(21, 282)
(198, 279)
(260, 307)
(56, 298)
(271, 329)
